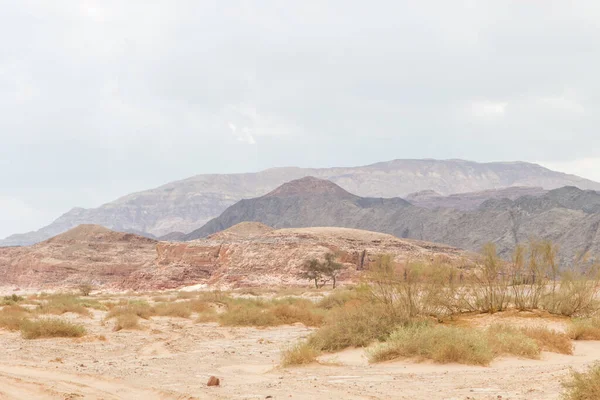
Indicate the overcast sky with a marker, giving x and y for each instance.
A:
(102, 98)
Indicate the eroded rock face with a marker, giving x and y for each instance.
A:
(275, 257)
(88, 253)
(245, 255)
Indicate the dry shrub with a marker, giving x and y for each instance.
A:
(357, 324)
(299, 354)
(215, 296)
(186, 295)
(11, 300)
(585, 329)
(85, 289)
(440, 343)
(257, 312)
(290, 314)
(140, 308)
(179, 309)
(209, 316)
(50, 327)
(126, 321)
(583, 385)
(550, 340)
(240, 315)
(199, 306)
(507, 340)
(11, 317)
(338, 298)
(61, 304)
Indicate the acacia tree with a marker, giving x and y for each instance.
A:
(321, 272)
(312, 270)
(331, 268)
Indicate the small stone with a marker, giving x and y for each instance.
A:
(214, 381)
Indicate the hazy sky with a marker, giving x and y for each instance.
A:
(102, 98)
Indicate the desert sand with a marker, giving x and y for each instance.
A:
(173, 358)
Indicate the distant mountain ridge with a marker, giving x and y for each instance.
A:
(568, 216)
(186, 205)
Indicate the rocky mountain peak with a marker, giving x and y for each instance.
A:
(308, 186)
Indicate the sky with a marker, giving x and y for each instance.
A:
(102, 98)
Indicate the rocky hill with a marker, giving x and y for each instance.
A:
(88, 253)
(255, 256)
(568, 216)
(249, 254)
(186, 205)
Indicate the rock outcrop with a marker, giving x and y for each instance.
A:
(274, 257)
(245, 255)
(86, 254)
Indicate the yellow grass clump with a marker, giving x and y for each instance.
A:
(299, 354)
(126, 322)
(585, 329)
(49, 328)
(440, 343)
(583, 385)
(11, 317)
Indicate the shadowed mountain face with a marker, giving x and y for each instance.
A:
(186, 205)
(301, 203)
(470, 201)
(568, 216)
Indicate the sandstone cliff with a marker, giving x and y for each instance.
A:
(246, 255)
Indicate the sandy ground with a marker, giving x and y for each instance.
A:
(173, 359)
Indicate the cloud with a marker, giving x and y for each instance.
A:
(242, 136)
(488, 109)
(106, 97)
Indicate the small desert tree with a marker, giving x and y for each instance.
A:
(320, 272)
(331, 268)
(312, 270)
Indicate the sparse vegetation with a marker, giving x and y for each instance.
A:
(356, 324)
(140, 308)
(443, 344)
(550, 340)
(126, 322)
(10, 300)
(508, 340)
(11, 317)
(50, 327)
(252, 312)
(584, 329)
(177, 309)
(299, 354)
(583, 385)
(63, 303)
(440, 343)
(85, 289)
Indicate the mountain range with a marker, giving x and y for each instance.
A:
(175, 209)
(568, 216)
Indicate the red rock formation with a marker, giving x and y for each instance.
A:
(248, 255)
